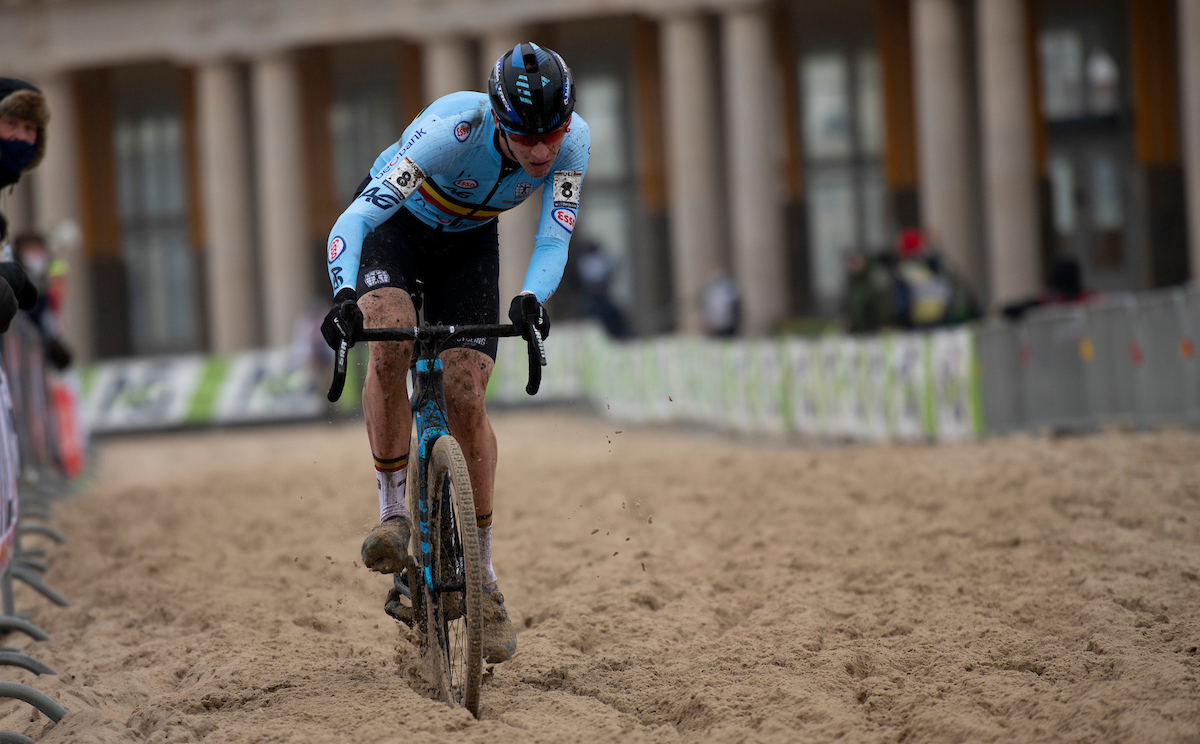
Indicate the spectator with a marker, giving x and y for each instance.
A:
(594, 269)
(868, 302)
(722, 303)
(24, 115)
(926, 291)
(1064, 284)
(23, 119)
(33, 255)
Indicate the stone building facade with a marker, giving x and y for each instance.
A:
(205, 147)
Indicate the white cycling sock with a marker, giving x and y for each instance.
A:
(485, 553)
(391, 476)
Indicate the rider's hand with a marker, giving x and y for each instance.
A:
(524, 309)
(24, 290)
(344, 321)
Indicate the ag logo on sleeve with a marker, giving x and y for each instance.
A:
(405, 178)
(566, 188)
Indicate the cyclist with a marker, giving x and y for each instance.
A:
(428, 212)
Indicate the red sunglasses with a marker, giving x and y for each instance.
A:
(553, 137)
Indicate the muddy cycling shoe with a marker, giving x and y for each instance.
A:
(386, 549)
(499, 635)
(396, 606)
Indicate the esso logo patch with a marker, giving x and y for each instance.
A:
(467, 183)
(566, 218)
(462, 131)
(336, 247)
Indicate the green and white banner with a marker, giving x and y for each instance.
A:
(143, 393)
(911, 387)
(168, 392)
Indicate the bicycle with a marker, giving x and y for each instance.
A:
(445, 593)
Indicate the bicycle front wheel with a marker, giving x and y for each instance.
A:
(454, 596)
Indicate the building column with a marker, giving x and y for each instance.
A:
(57, 207)
(233, 293)
(287, 280)
(754, 126)
(1189, 61)
(518, 226)
(1009, 177)
(943, 132)
(693, 167)
(446, 66)
(492, 47)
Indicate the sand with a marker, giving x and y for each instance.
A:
(669, 586)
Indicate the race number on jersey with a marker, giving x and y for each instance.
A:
(566, 188)
(405, 178)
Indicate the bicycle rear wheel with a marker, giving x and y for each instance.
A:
(454, 602)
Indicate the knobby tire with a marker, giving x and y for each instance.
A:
(455, 619)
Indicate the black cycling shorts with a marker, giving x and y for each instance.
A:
(460, 271)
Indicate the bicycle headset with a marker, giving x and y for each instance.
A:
(532, 90)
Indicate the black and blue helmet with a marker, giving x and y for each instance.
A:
(532, 90)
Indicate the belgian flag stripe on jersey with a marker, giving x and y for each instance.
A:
(454, 207)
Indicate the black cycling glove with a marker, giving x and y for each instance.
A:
(58, 354)
(8, 306)
(343, 321)
(525, 308)
(26, 293)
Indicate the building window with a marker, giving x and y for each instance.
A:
(364, 118)
(160, 268)
(842, 126)
(1077, 82)
(605, 213)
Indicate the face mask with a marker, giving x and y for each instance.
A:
(15, 155)
(35, 265)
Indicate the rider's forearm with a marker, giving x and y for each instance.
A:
(545, 267)
(344, 248)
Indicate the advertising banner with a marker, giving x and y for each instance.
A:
(265, 386)
(806, 394)
(772, 384)
(871, 390)
(143, 393)
(906, 386)
(952, 368)
(908, 390)
(735, 377)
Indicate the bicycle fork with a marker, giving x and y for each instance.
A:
(431, 425)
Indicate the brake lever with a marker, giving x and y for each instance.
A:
(541, 344)
(536, 361)
(340, 363)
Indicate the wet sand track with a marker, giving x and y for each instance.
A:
(669, 587)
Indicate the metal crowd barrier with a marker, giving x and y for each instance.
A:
(41, 461)
(1122, 360)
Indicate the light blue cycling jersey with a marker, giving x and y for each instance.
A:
(447, 171)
